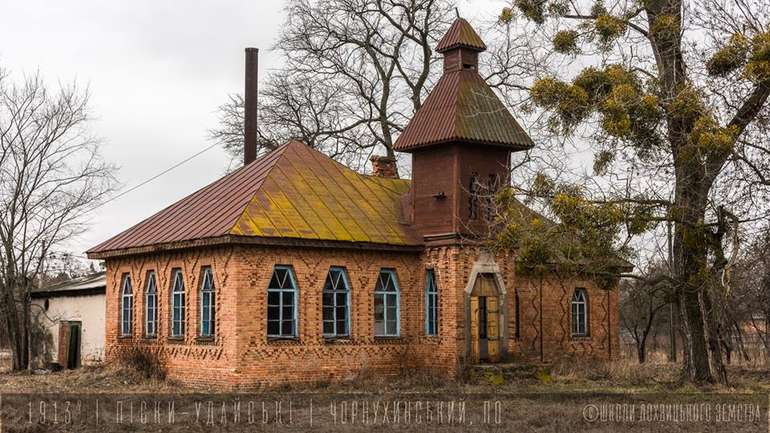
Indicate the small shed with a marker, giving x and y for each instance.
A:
(73, 314)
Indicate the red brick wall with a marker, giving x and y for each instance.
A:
(242, 356)
(555, 312)
(188, 359)
(311, 357)
(433, 215)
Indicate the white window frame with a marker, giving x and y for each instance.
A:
(579, 323)
(208, 276)
(380, 290)
(341, 279)
(126, 307)
(295, 297)
(151, 314)
(178, 293)
(431, 292)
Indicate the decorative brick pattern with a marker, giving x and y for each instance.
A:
(241, 355)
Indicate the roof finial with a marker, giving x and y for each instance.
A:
(457, 12)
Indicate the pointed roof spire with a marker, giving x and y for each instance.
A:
(462, 107)
(461, 35)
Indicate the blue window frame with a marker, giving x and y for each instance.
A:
(151, 306)
(579, 313)
(177, 304)
(336, 302)
(282, 303)
(386, 305)
(208, 304)
(431, 303)
(126, 306)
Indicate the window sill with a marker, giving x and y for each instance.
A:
(581, 337)
(176, 340)
(205, 339)
(150, 337)
(125, 337)
(387, 338)
(338, 340)
(279, 340)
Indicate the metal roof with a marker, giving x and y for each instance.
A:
(461, 34)
(462, 107)
(294, 192)
(95, 283)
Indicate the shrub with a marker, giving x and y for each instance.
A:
(145, 362)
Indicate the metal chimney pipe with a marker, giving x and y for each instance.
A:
(250, 106)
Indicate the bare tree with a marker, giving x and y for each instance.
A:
(640, 302)
(355, 71)
(751, 293)
(51, 174)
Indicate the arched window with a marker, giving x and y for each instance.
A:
(386, 305)
(431, 303)
(579, 313)
(151, 306)
(336, 301)
(208, 304)
(282, 303)
(177, 304)
(126, 306)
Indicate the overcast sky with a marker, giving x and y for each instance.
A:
(157, 70)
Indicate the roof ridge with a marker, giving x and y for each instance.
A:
(278, 153)
(461, 34)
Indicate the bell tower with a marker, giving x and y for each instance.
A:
(461, 141)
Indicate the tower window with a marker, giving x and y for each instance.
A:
(473, 190)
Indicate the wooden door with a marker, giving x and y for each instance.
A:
(73, 357)
(64, 344)
(474, 329)
(493, 328)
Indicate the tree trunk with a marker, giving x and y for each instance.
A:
(691, 278)
(16, 322)
(641, 352)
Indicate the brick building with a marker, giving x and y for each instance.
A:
(295, 268)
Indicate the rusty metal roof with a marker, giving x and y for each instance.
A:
(462, 107)
(460, 34)
(294, 192)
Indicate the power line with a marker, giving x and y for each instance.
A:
(145, 182)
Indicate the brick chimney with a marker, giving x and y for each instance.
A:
(384, 166)
(250, 106)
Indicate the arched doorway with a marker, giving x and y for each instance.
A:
(485, 315)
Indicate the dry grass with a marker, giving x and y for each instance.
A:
(142, 373)
(144, 362)
(535, 398)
